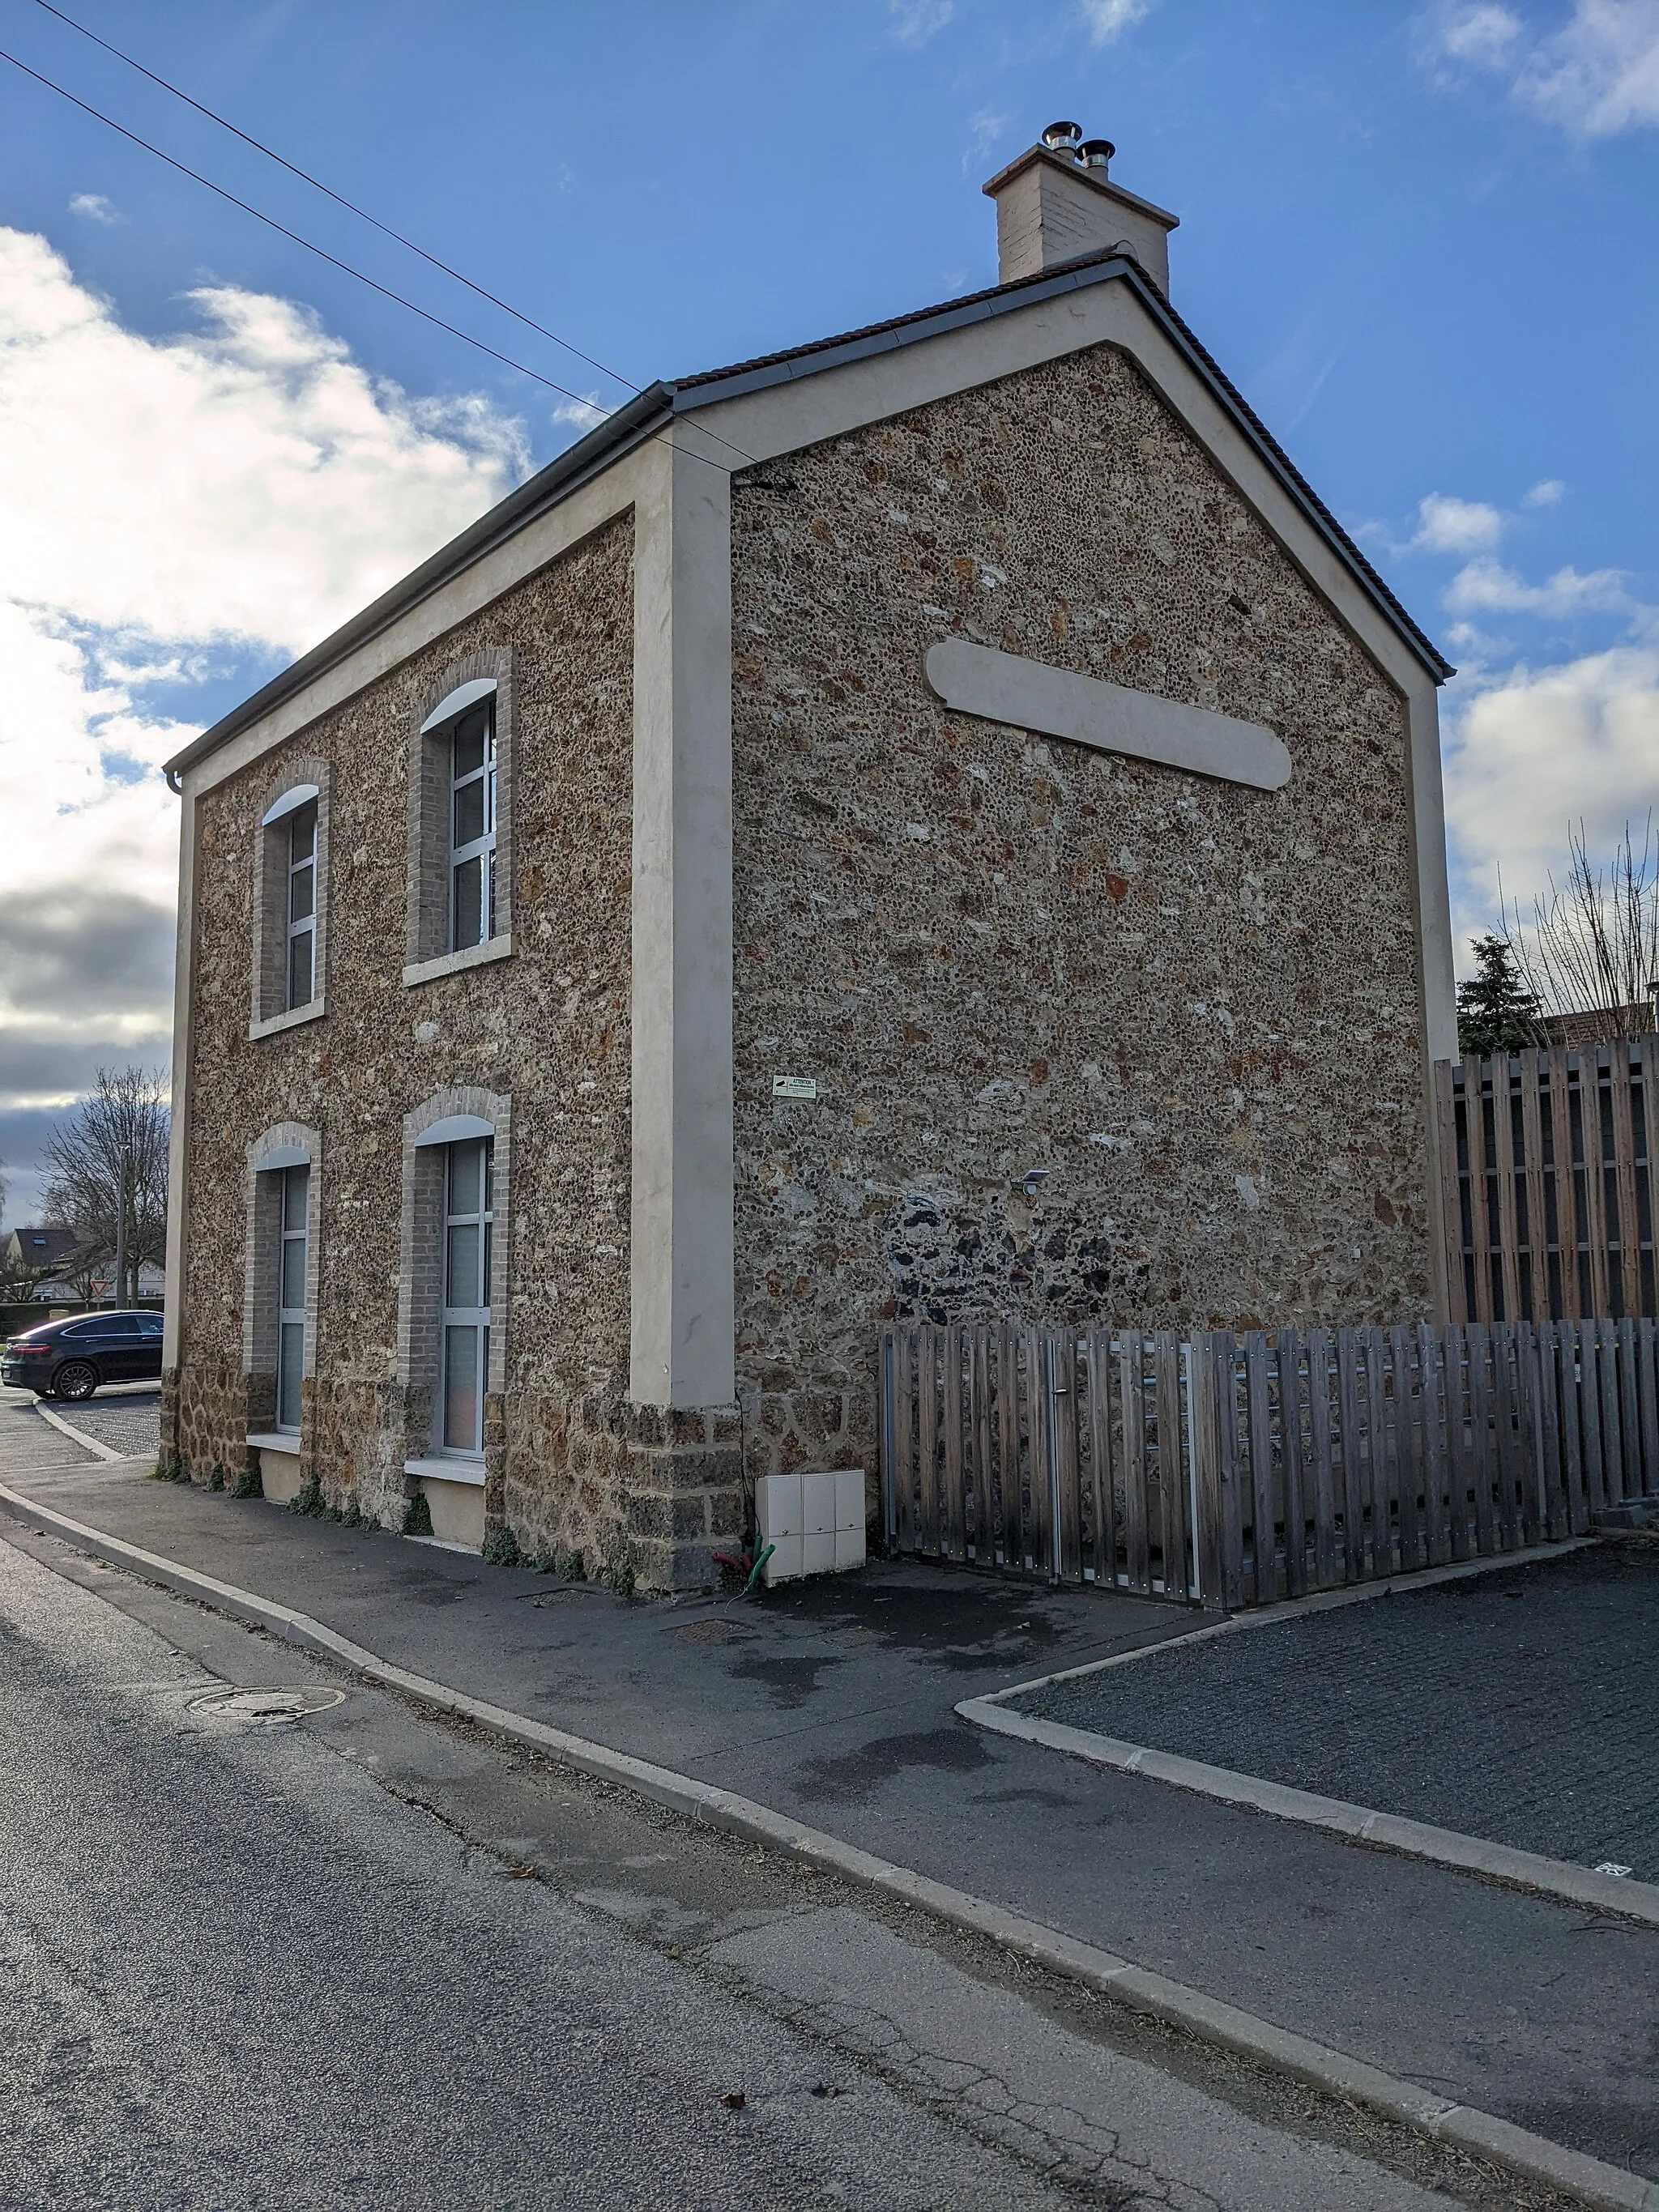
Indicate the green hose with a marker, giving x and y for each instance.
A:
(754, 1571)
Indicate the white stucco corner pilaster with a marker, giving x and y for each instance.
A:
(178, 1145)
(682, 1239)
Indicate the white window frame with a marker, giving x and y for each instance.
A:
(480, 849)
(305, 925)
(466, 1318)
(290, 1317)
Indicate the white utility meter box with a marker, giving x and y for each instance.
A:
(814, 1521)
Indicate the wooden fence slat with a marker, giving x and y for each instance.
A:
(1646, 1348)
(1623, 1177)
(1480, 1226)
(1533, 1481)
(1407, 1463)
(1069, 1535)
(1349, 1355)
(1565, 1183)
(1131, 1369)
(1008, 1459)
(1590, 1413)
(1613, 1439)
(904, 1480)
(1506, 1420)
(1040, 1528)
(1320, 1445)
(1572, 1462)
(1460, 1484)
(1630, 1414)
(927, 1440)
(1223, 1351)
(953, 1534)
(1293, 1454)
(1451, 1189)
(1503, 1152)
(1647, 1048)
(977, 1503)
(1535, 1271)
(1204, 1428)
(1381, 1546)
(1552, 1488)
(1171, 1464)
(1264, 1572)
(1596, 1181)
(1435, 1543)
(1100, 1456)
(1483, 1470)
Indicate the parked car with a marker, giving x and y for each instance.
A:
(70, 1358)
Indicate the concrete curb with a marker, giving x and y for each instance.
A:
(1596, 2183)
(1633, 1901)
(79, 1436)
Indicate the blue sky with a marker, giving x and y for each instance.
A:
(1421, 240)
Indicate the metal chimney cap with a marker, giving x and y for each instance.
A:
(1096, 153)
(1063, 137)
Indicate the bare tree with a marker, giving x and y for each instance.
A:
(1591, 948)
(107, 1163)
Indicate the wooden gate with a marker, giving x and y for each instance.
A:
(1235, 1470)
(1545, 1173)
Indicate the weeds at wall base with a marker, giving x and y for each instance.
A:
(249, 1483)
(417, 1515)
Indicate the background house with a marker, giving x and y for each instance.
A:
(643, 891)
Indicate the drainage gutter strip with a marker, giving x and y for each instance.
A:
(1607, 2188)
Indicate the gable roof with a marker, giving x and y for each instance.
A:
(656, 410)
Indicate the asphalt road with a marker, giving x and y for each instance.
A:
(365, 1959)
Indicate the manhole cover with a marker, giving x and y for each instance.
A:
(267, 1707)
(711, 1632)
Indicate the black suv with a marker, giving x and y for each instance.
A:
(70, 1358)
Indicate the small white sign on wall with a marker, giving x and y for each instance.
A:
(795, 1086)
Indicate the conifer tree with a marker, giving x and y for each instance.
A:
(1496, 1010)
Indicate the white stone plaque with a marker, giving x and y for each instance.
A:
(795, 1086)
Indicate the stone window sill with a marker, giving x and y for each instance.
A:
(446, 1470)
(453, 963)
(273, 1023)
(279, 1441)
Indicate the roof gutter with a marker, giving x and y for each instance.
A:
(629, 426)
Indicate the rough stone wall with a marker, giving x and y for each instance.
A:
(548, 1026)
(1093, 1039)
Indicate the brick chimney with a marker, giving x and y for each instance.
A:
(1054, 203)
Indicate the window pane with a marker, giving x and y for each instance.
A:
(300, 885)
(489, 1262)
(490, 911)
(469, 811)
(488, 1174)
(469, 890)
(470, 736)
(293, 1274)
(296, 1183)
(290, 1360)
(302, 835)
(466, 1176)
(463, 1276)
(299, 969)
(461, 1389)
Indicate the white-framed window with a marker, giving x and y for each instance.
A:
(469, 1223)
(301, 964)
(293, 1262)
(473, 828)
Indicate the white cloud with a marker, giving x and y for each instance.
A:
(1487, 587)
(94, 205)
(1445, 524)
(1539, 749)
(1596, 74)
(169, 507)
(580, 413)
(1106, 20)
(985, 127)
(915, 22)
(1550, 493)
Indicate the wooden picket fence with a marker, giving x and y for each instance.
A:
(1236, 1470)
(1546, 1160)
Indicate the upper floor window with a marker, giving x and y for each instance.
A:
(473, 828)
(302, 906)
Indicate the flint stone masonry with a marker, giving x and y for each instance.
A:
(1093, 1039)
(569, 1467)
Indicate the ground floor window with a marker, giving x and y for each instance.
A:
(291, 1297)
(468, 1220)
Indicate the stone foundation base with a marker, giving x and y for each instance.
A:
(681, 1485)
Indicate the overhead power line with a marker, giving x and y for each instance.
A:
(399, 299)
(340, 199)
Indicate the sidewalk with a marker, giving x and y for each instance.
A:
(834, 1703)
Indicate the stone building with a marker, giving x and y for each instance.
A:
(938, 821)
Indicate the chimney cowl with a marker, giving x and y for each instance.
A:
(1055, 203)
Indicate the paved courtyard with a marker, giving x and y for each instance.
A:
(1521, 1705)
(126, 1420)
